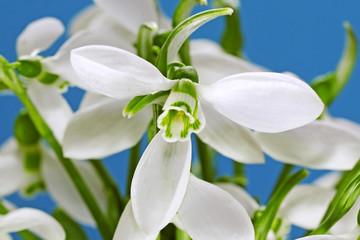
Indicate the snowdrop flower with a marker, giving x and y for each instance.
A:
(304, 206)
(309, 145)
(16, 174)
(38, 222)
(206, 213)
(121, 19)
(269, 102)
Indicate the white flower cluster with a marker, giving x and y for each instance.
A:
(129, 60)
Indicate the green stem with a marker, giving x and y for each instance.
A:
(25, 234)
(285, 172)
(154, 129)
(133, 161)
(208, 172)
(70, 168)
(264, 222)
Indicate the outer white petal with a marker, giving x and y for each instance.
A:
(266, 102)
(100, 130)
(349, 125)
(130, 14)
(52, 106)
(90, 99)
(213, 64)
(11, 171)
(127, 228)
(159, 183)
(209, 213)
(241, 196)
(328, 180)
(117, 73)
(348, 236)
(347, 222)
(229, 138)
(34, 220)
(38, 36)
(63, 191)
(305, 205)
(83, 18)
(60, 63)
(5, 236)
(320, 144)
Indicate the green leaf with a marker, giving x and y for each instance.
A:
(347, 63)
(182, 31)
(264, 220)
(232, 39)
(24, 130)
(139, 102)
(72, 228)
(329, 86)
(29, 68)
(184, 8)
(348, 190)
(145, 41)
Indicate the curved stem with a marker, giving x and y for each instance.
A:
(68, 165)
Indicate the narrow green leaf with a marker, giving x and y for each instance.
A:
(184, 8)
(145, 41)
(347, 63)
(265, 219)
(139, 102)
(330, 85)
(182, 31)
(72, 228)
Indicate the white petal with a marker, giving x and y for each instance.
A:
(209, 213)
(328, 180)
(63, 191)
(90, 99)
(34, 220)
(5, 236)
(241, 196)
(127, 228)
(52, 106)
(130, 14)
(351, 126)
(266, 102)
(60, 63)
(348, 221)
(213, 64)
(11, 171)
(100, 130)
(329, 237)
(309, 146)
(83, 18)
(159, 183)
(38, 36)
(117, 73)
(229, 138)
(305, 205)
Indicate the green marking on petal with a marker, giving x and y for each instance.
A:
(179, 118)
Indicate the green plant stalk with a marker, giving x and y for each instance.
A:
(133, 161)
(207, 169)
(264, 222)
(13, 82)
(285, 172)
(25, 234)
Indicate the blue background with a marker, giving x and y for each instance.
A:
(305, 37)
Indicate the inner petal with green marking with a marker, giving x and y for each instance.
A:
(180, 116)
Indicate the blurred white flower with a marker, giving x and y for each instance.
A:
(14, 177)
(36, 221)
